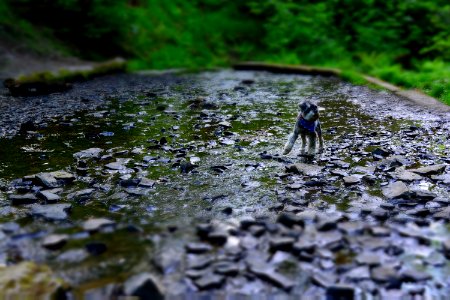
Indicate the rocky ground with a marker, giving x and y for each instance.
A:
(173, 186)
(16, 60)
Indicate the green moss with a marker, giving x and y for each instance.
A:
(113, 66)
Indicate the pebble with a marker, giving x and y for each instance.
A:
(55, 241)
(93, 225)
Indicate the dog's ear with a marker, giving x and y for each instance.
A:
(303, 106)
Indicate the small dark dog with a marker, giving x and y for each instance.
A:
(307, 125)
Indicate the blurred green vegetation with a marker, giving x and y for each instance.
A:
(405, 42)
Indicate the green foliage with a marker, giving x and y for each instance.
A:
(432, 77)
(302, 29)
(353, 77)
(157, 33)
(404, 42)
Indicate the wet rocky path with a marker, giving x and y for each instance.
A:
(174, 184)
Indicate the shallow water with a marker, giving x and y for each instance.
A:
(130, 128)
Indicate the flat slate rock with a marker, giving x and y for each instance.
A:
(72, 256)
(339, 172)
(63, 175)
(88, 153)
(198, 248)
(329, 238)
(446, 247)
(445, 178)
(290, 219)
(358, 273)
(209, 281)
(217, 237)
(22, 199)
(226, 268)
(96, 224)
(351, 227)
(269, 274)
(55, 241)
(281, 243)
(198, 262)
(80, 194)
(443, 214)
(350, 180)
(384, 274)
(115, 166)
(429, 170)
(49, 197)
(395, 190)
(147, 183)
(414, 275)
(47, 180)
(305, 169)
(51, 212)
(369, 258)
(323, 279)
(405, 175)
(423, 195)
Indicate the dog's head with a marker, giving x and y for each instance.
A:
(309, 111)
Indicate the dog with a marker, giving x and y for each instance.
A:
(308, 126)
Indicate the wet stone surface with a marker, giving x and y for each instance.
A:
(174, 185)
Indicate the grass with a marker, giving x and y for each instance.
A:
(431, 77)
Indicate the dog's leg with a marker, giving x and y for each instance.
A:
(303, 136)
(312, 144)
(319, 135)
(292, 138)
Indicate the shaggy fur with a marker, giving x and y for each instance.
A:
(308, 127)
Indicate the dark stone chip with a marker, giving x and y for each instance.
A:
(95, 248)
